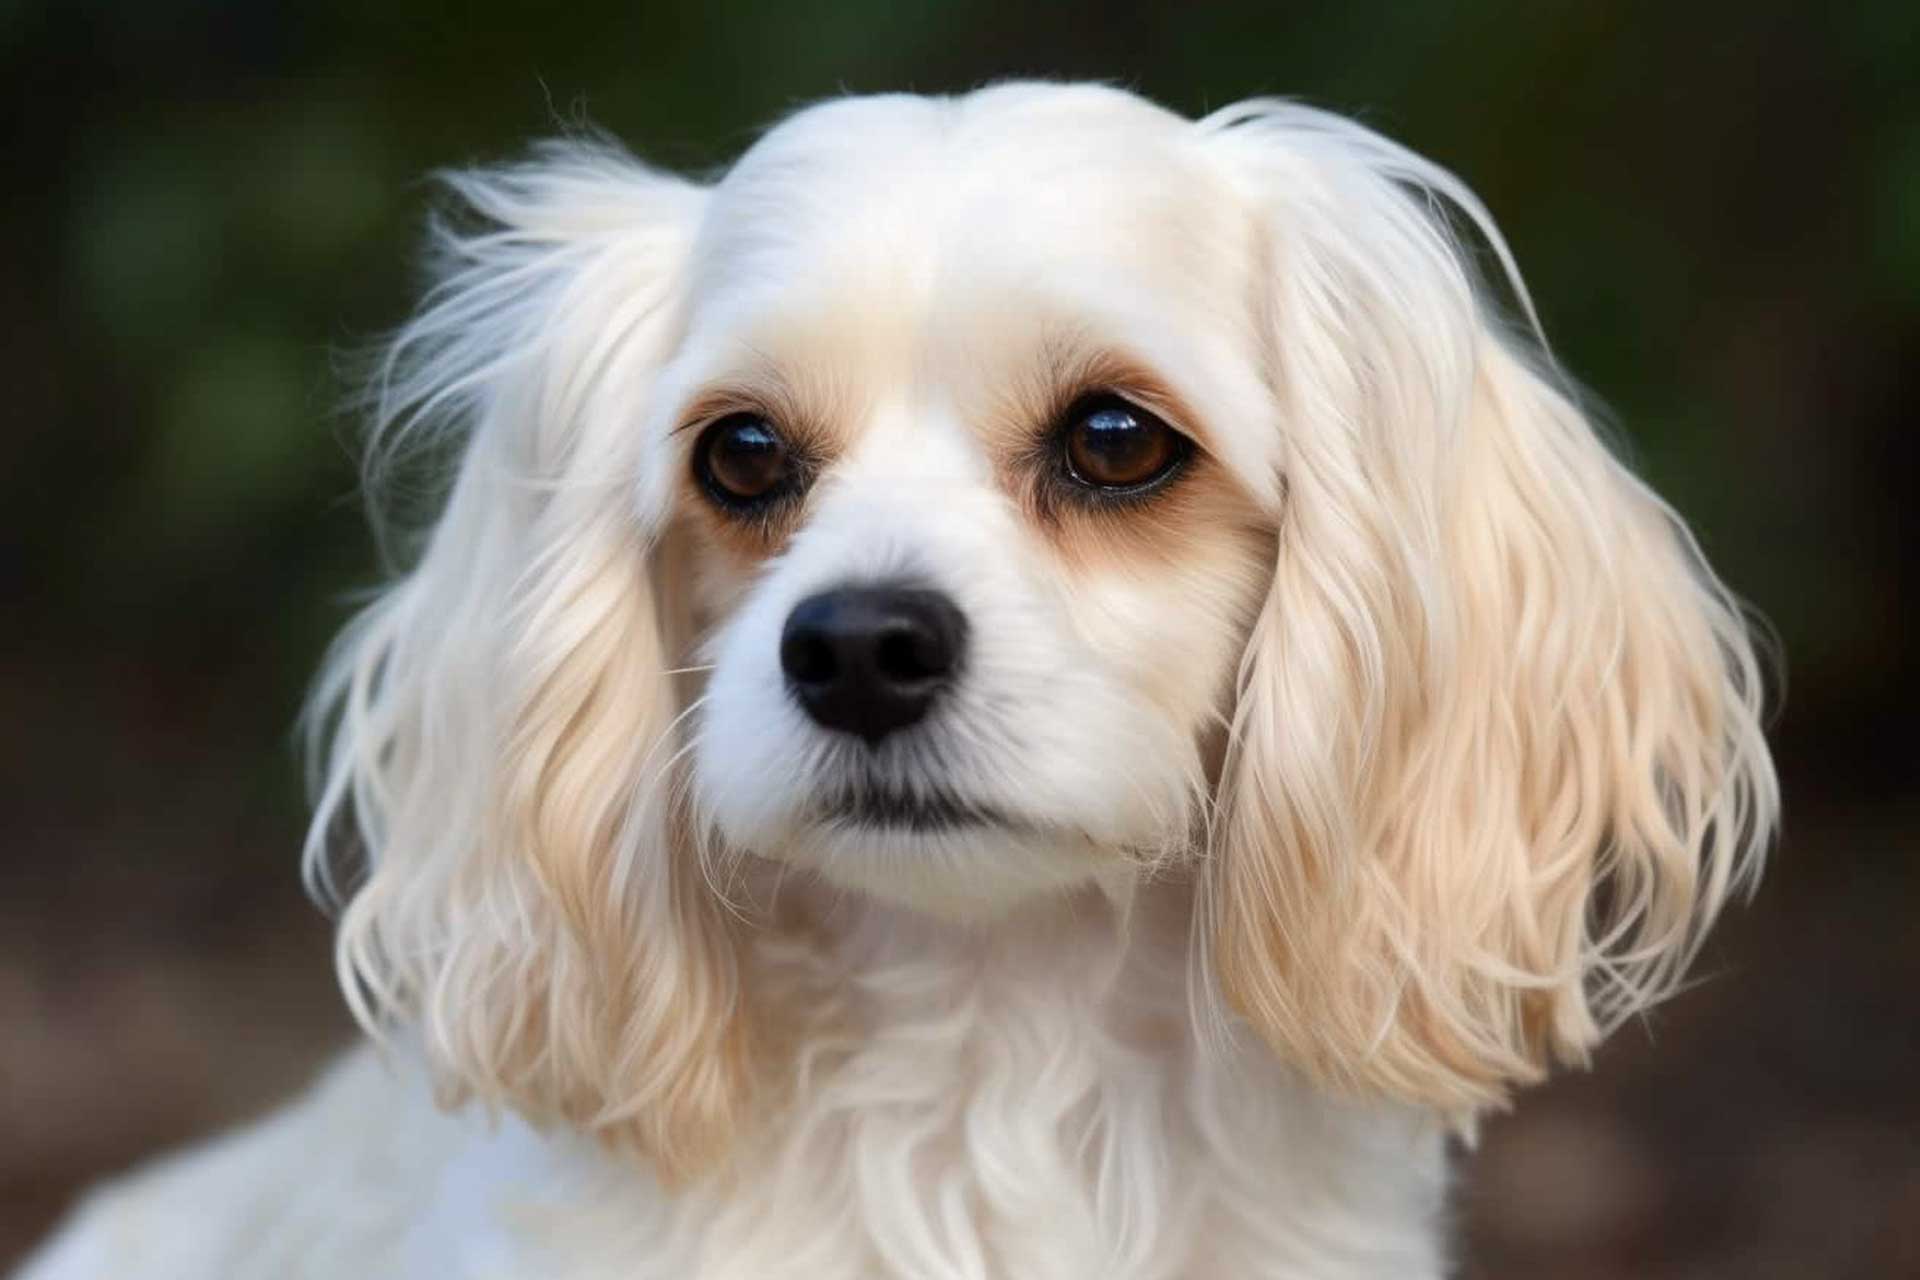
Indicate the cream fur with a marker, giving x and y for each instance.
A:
(1402, 751)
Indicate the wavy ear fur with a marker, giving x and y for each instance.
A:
(1497, 755)
(496, 732)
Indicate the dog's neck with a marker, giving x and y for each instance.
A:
(1031, 1098)
(1076, 978)
(1103, 961)
(1059, 1075)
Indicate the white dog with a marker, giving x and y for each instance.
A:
(1022, 687)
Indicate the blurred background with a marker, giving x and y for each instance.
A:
(1718, 207)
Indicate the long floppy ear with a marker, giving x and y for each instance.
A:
(1497, 756)
(495, 732)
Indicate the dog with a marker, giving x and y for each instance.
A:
(1021, 687)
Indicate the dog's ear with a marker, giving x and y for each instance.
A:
(496, 733)
(1497, 756)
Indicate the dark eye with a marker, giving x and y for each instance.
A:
(1114, 444)
(742, 461)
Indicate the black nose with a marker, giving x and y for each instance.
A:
(869, 660)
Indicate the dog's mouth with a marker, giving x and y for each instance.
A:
(897, 809)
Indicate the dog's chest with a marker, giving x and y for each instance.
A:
(972, 1128)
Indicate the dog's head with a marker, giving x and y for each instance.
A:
(968, 500)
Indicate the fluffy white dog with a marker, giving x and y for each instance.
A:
(1021, 687)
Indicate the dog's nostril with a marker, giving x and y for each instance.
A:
(806, 656)
(912, 652)
(870, 660)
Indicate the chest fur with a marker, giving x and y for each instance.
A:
(973, 1112)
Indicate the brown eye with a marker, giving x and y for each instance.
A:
(1114, 444)
(742, 461)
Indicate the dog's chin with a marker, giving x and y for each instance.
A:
(942, 855)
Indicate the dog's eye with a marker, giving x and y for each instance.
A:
(741, 460)
(1114, 444)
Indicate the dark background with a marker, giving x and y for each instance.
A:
(1718, 207)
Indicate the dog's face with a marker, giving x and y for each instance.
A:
(967, 500)
(969, 435)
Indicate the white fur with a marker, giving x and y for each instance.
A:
(1396, 752)
(1033, 1108)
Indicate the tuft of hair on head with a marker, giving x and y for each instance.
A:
(495, 733)
(1497, 756)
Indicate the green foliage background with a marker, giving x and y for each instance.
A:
(1717, 205)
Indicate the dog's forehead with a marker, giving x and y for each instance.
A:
(953, 252)
(922, 197)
